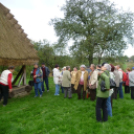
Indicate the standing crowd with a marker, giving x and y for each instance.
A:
(102, 83)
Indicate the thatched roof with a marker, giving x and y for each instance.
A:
(15, 47)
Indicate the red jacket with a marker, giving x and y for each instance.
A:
(124, 79)
(127, 79)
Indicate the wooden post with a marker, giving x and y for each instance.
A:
(21, 73)
(24, 78)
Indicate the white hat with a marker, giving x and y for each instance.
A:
(83, 66)
(63, 67)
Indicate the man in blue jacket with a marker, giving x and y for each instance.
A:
(46, 72)
(37, 76)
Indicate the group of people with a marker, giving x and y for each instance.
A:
(101, 83)
(40, 75)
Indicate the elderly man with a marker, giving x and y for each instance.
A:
(81, 81)
(117, 81)
(63, 69)
(66, 82)
(121, 81)
(93, 82)
(46, 72)
(6, 84)
(131, 83)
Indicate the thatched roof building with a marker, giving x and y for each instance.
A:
(15, 47)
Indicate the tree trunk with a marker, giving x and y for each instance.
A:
(99, 60)
(90, 58)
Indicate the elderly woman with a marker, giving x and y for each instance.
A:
(102, 96)
(38, 78)
(81, 81)
(127, 88)
(73, 79)
(110, 98)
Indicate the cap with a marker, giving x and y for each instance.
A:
(133, 68)
(83, 66)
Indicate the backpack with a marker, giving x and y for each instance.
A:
(112, 84)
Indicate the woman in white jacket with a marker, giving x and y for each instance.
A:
(56, 78)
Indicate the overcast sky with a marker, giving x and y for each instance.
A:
(34, 16)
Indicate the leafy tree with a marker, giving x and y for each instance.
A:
(93, 26)
(132, 58)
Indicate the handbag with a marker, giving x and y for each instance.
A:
(92, 86)
(103, 87)
(112, 83)
(31, 83)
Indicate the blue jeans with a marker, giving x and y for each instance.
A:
(37, 87)
(57, 87)
(120, 91)
(46, 82)
(109, 107)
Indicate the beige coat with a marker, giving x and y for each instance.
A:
(73, 77)
(78, 76)
(66, 79)
(94, 78)
(117, 77)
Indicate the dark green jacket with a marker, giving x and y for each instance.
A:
(103, 77)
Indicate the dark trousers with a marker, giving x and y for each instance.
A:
(114, 95)
(67, 91)
(73, 90)
(4, 94)
(62, 88)
(127, 89)
(92, 94)
(46, 82)
(132, 93)
(120, 90)
(101, 104)
(80, 87)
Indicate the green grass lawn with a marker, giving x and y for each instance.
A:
(56, 115)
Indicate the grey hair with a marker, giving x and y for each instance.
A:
(108, 67)
(67, 67)
(93, 66)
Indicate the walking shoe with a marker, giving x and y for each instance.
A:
(56, 94)
(4, 105)
(35, 96)
(40, 96)
(47, 90)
